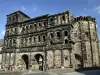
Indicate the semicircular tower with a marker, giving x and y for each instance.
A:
(86, 47)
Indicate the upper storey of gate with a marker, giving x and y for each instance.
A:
(16, 17)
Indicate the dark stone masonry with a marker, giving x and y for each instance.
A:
(50, 42)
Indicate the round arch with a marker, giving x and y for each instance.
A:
(26, 58)
(39, 58)
(79, 58)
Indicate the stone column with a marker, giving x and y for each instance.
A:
(59, 19)
(54, 58)
(5, 57)
(70, 57)
(62, 59)
(45, 59)
(30, 61)
(14, 59)
(2, 59)
(9, 58)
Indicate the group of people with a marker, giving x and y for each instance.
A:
(34, 67)
(37, 67)
(7, 68)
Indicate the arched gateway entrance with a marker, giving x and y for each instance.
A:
(80, 60)
(25, 58)
(39, 59)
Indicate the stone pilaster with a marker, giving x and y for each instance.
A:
(45, 61)
(54, 58)
(5, 58)
(9, 58)
(2, 58)
(62, 59)
(30, 58)
(70, 57)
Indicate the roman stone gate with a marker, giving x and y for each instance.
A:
(30, 61)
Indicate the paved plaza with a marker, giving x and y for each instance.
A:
(92, 72)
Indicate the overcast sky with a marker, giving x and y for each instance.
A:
(35, 8)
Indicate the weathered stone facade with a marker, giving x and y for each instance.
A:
(60, 41)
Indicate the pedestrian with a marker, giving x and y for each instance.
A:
(9, 67)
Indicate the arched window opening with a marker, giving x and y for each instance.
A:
(34, 39)
(66, 57)
(30, 39)
(23, 29)
(66, 33)
(87, 34)
(31, 26)
(51, 42)
(79, 58)
(66, 41)
(39, 24)
(44, 23)
(10, 42)
(39, 59)
(58, 34)
(15, 30)
(51, 35)
(51, 19)
(44, 38)
(35, 26)
(39, 39)
(25, 58)
(14, 41)
(63, 17)
(26, 27)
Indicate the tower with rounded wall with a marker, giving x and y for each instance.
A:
(86, 47)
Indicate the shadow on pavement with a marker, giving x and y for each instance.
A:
(89, 71)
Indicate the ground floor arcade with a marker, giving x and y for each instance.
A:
(52, 59)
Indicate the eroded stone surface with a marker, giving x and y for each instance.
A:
(53, 41)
